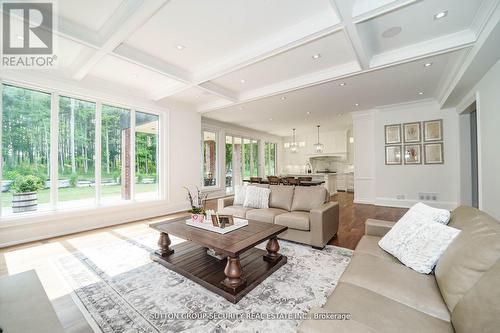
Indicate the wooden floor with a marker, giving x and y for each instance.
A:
(41, 255)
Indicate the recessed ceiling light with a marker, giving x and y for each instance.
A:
(357, 104)
(283, 98)
(392, 32)
(180, 47)
(342, 84)
(270, 119)
(440, 15)
(420, 92)
(428, 64)
(243, 81)
(316, 56)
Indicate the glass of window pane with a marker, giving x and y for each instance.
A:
(25, 146)
(229, 164)
(115, 153)
(146, 155)
(272, 159)
(255, 158)
(237, 161)
(76, 152)
(247, 155)
(209, 159)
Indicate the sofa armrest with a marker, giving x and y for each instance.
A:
(324, 223)
(378, 228)
(224, 202)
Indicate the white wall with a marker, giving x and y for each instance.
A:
(224, 129)
(382, 184)
(364, 156)
(488, 123)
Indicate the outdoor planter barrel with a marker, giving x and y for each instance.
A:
(24, 202)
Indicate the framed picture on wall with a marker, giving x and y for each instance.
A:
(413, 154)
(433, 130)
(411, 132)
(433, 153)
(392, 134)
(392, 155)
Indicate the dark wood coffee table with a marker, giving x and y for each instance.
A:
(242, 266)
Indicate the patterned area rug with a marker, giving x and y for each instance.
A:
(125, 292)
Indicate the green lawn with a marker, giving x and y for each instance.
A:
(79, 193)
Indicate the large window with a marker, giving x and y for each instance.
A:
(76, 147)
(25, 144)
(209, 159)
(29, 161)
(270, 159)
(250, 158)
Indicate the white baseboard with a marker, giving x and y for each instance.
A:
(364, 201)
(390, 202)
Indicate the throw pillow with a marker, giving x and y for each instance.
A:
(257, 197)
(435, 214)
(239, 195)
(418, 243)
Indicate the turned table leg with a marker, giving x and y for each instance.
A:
(164, 245)
(233, 281)
(272, 248)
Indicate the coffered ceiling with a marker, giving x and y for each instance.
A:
(249, 61)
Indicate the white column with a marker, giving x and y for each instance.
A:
(98, 151)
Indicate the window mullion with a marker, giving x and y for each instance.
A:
(1, 138)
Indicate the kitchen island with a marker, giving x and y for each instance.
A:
(330, 179)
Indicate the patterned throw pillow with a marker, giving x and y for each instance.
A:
(240, 192)
(435, 214)
(257, 197)
(418, 241)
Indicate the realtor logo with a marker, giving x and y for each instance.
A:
(27, 34)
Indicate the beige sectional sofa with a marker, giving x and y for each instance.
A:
(307, 212)
(383, 295)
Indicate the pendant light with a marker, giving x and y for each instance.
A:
(293, 144)
(318, 146)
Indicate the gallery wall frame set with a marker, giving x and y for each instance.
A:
(403, 143)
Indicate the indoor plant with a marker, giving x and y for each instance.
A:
(24, 197)
(197, 203)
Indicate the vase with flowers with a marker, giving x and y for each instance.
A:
(197, 202)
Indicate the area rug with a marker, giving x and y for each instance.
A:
(123, 291)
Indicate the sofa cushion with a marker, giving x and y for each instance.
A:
(380, 313)
(257, 197)
(418, 241)
(237, 211)
(240, 192)
(307, 198)
(294, 220)
(369, 245)
(264, 214)
(397, 282)
(475, 250)
(281, 197)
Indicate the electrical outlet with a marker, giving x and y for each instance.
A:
(400, 197)
(428, 196)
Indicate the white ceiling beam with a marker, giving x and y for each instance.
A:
(129, 17)
(382, 10)
(218, 90)
(344, 12)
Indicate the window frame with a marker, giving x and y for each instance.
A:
(267, 161)
(163, 153)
